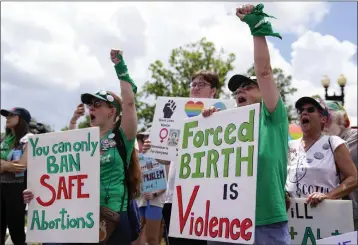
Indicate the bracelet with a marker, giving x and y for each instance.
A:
(73, 122)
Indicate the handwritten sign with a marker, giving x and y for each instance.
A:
(168, 120)
(349, 238)
(63, 174)
(329, 218)
(154, 175)
(215, 192)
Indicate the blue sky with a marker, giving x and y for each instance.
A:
(341, 14)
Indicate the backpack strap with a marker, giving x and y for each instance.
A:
(123, 153)
(337, 169)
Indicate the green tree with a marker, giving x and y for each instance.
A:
(284, 84)
(174, 80)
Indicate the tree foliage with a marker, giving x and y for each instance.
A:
(284, 84)
(174, 80)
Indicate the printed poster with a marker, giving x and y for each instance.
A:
(215, 182)
(349, 238)
(63, 174)
(168, 119)
(154, 175)
(330, 218)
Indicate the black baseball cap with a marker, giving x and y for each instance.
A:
(238, 80)
(19, 111)
(318, 103)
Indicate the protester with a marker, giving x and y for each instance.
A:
(111, 114)
(13, 166)
(150, 206)
(204, 85)
(339, 125)
(319, 166)
(271, 218)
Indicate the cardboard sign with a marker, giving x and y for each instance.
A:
(329, 218)
(63, 174)
(168, 120)
(153, 174)
(349, 238)
(215, 182)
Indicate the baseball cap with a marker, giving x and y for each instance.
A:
(101, 95)
(335, 106)
(238, 80)
(317, 102)
(19, 111)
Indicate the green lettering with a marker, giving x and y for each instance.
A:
(94, 147)
(52, 167)
(308, 234)
(54, 147)
(44, 223)
(64, 164)
(198, 139)
(217, 141)
(73, 223)
(34, 144)
(35, 220)
(184, 165)
(77, 146)
(249, 129)
(81, 221)
(228, 130)
(248, 159)
(89, 224)
(76, 164)
(187, 133)
(213, 157)
(208, 132)
(57, 221)
(63, 212)
(51, 224)
(226, 152)
(197, 173)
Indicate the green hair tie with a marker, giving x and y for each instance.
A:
(122, 72)
(257, 23)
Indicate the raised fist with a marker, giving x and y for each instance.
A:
(114, 55)
(169, 109)
(244, 10)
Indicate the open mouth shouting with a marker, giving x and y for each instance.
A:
(241, 100)
(304, 121)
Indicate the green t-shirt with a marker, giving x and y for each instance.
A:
(112, 171)
(272, 165)
(6, 146)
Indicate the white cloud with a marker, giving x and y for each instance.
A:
(52, 52)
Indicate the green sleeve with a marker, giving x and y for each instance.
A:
(279, 115)
(129, 144)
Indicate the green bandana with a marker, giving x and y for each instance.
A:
(257, 23)
(122, 73)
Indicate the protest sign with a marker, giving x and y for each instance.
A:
(349, 238)
(154, 176)
(168, 119)
(63, 173)
(329, 218)
(215, 183)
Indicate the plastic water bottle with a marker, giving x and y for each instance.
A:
(16, 156)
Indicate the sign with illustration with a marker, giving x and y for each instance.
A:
(215, 182)
(349, 238)
(63, 174)
(330, 218)
(168, 119)
(154, 175)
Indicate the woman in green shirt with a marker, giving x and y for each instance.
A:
(108, 112)
(13, 180)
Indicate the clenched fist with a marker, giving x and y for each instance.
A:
(244, 10)
(114, 56)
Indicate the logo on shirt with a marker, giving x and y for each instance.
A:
(295, 174)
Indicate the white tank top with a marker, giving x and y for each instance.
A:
(314, 170)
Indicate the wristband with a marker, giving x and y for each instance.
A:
(73, 122)
(122, 73)
(257, 23)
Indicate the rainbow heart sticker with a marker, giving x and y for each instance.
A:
(193, 109)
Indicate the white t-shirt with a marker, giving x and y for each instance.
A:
(314, 170)
(171, 183)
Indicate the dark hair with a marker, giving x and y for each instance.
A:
(134, 171)
(21, 129)
(209, 76)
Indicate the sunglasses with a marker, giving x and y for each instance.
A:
(309, 109)
(246, 87)
(96, 104)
